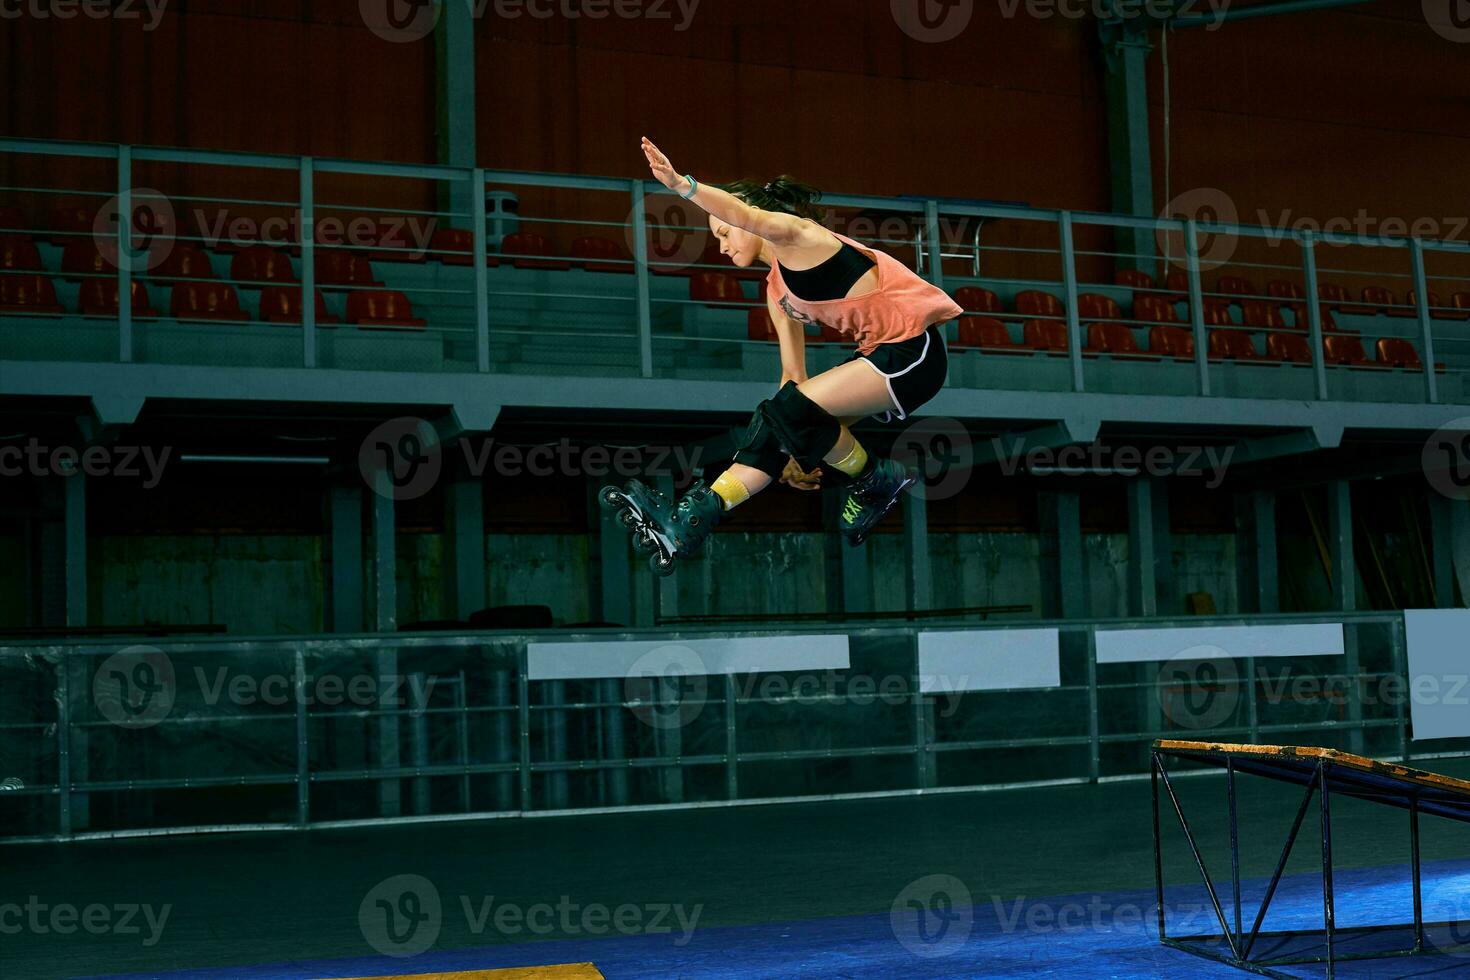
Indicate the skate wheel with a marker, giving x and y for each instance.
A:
(610, 497)
(628, 519)
(644, 543)
(662, 565)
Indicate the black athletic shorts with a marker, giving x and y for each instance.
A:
(914, 369)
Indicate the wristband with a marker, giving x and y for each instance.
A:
(693, 187)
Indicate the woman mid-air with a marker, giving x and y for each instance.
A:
(821, 278)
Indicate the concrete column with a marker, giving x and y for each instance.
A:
(464, 543)
(1125, 58)
(1064, 564)
(1340, 543)
(612, 595)
(1442, 548)
(454, 60)
(919, 573)
(382, 531)
(1142, 555)
(1166, 590)
(849, 569)
(1255, 551)
(345, 591)
(1460, 549)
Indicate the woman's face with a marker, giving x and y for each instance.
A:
(742, 247)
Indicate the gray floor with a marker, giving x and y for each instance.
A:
(267, 898)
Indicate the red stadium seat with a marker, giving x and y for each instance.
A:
(1235, 286)
(1176, 286)
(1290, 348)
(598, 254)
(1376, 299)
(758, 325)
(261, 264)
(974, 299)
(1095, 306)
(18, 254)
(1035, 303)
(529, 251)
(716, 287)
(12, 221)
(1289, 293)
(1133, 278)
(1115, 339)
(27, 292)
(1217, 313)
(456, 246)
(827, 335)
(206, 301)
(986, 333)
(1333, 296)
(1154, 309)
(1175, 342)
(1345, 350)
(181, 262)
(335, 267)
(99, 298)
(385, 308)
(1411, 307)
(1460, 305)
(1232, 345)
(66, 224)
(1264, 314)
(82, 258)
(282, 304)
(395, 239)
(1045, 335)
(1399, 353)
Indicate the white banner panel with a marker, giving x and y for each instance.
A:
(684, 658)
(1217, 642)
(1439, 671)
(988, 660)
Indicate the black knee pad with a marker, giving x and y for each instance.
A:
(760, 448)
(804, 428)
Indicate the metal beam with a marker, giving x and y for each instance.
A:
(1323, 435)
(454, 49)
(1013, 445)
(1340, 545)
(1142, 584)
(1125, 57)
(1257, 10)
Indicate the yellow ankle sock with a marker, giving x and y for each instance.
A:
(730, 490)
(852, 464)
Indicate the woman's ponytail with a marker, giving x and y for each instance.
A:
(784, 193)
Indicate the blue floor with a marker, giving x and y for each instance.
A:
(1084, 936)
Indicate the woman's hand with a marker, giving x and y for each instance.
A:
(663, 170)
(795, 476)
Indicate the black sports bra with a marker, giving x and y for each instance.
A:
(833, 279)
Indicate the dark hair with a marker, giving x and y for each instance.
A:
(785, 193)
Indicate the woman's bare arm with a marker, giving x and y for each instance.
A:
(791, 336)
(774, 226)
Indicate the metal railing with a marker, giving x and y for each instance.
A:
(640, 324)
(183, 735)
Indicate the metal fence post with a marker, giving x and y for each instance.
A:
(1197, 307)
(125, 254)
(1421, 306)
(640, 270)
(303, 755)
(1314, 313)
(63, 741)
(306, 232)
(1069, 281)
(1093, 727)
(482, 274)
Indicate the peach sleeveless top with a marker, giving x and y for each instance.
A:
(900, 308)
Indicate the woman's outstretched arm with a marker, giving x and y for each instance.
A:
(773, 226)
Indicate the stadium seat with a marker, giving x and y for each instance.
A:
(206, 301)
(1411, 308)
(598, 254)
(1153, 309)
(758, 325)
(1045, 335)
(98, 297)
(1263, 314)
(1176, 286)
(1095, 306)
(1376, 299)
(1133, 278)
(1345, 350)
(394, 239)
(181, 262)
(28, 292)
(1289, 293)
(381, 308)
(260, 264)
(1217, 313)
(456, 246)
(524, 250)
(12, 221)
(1232, 345)
(282, 304)
(1115, 339)
(1459, 306)
(974, 299)
(66, 224)
(986, 333)
(1167, 341)
(716, 287)
(1290, 348)
(1395, 352)
(82, 258)
(335, 267)
(18, 254)
(1333, 296)
(1235, 286)
(1035, 303)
